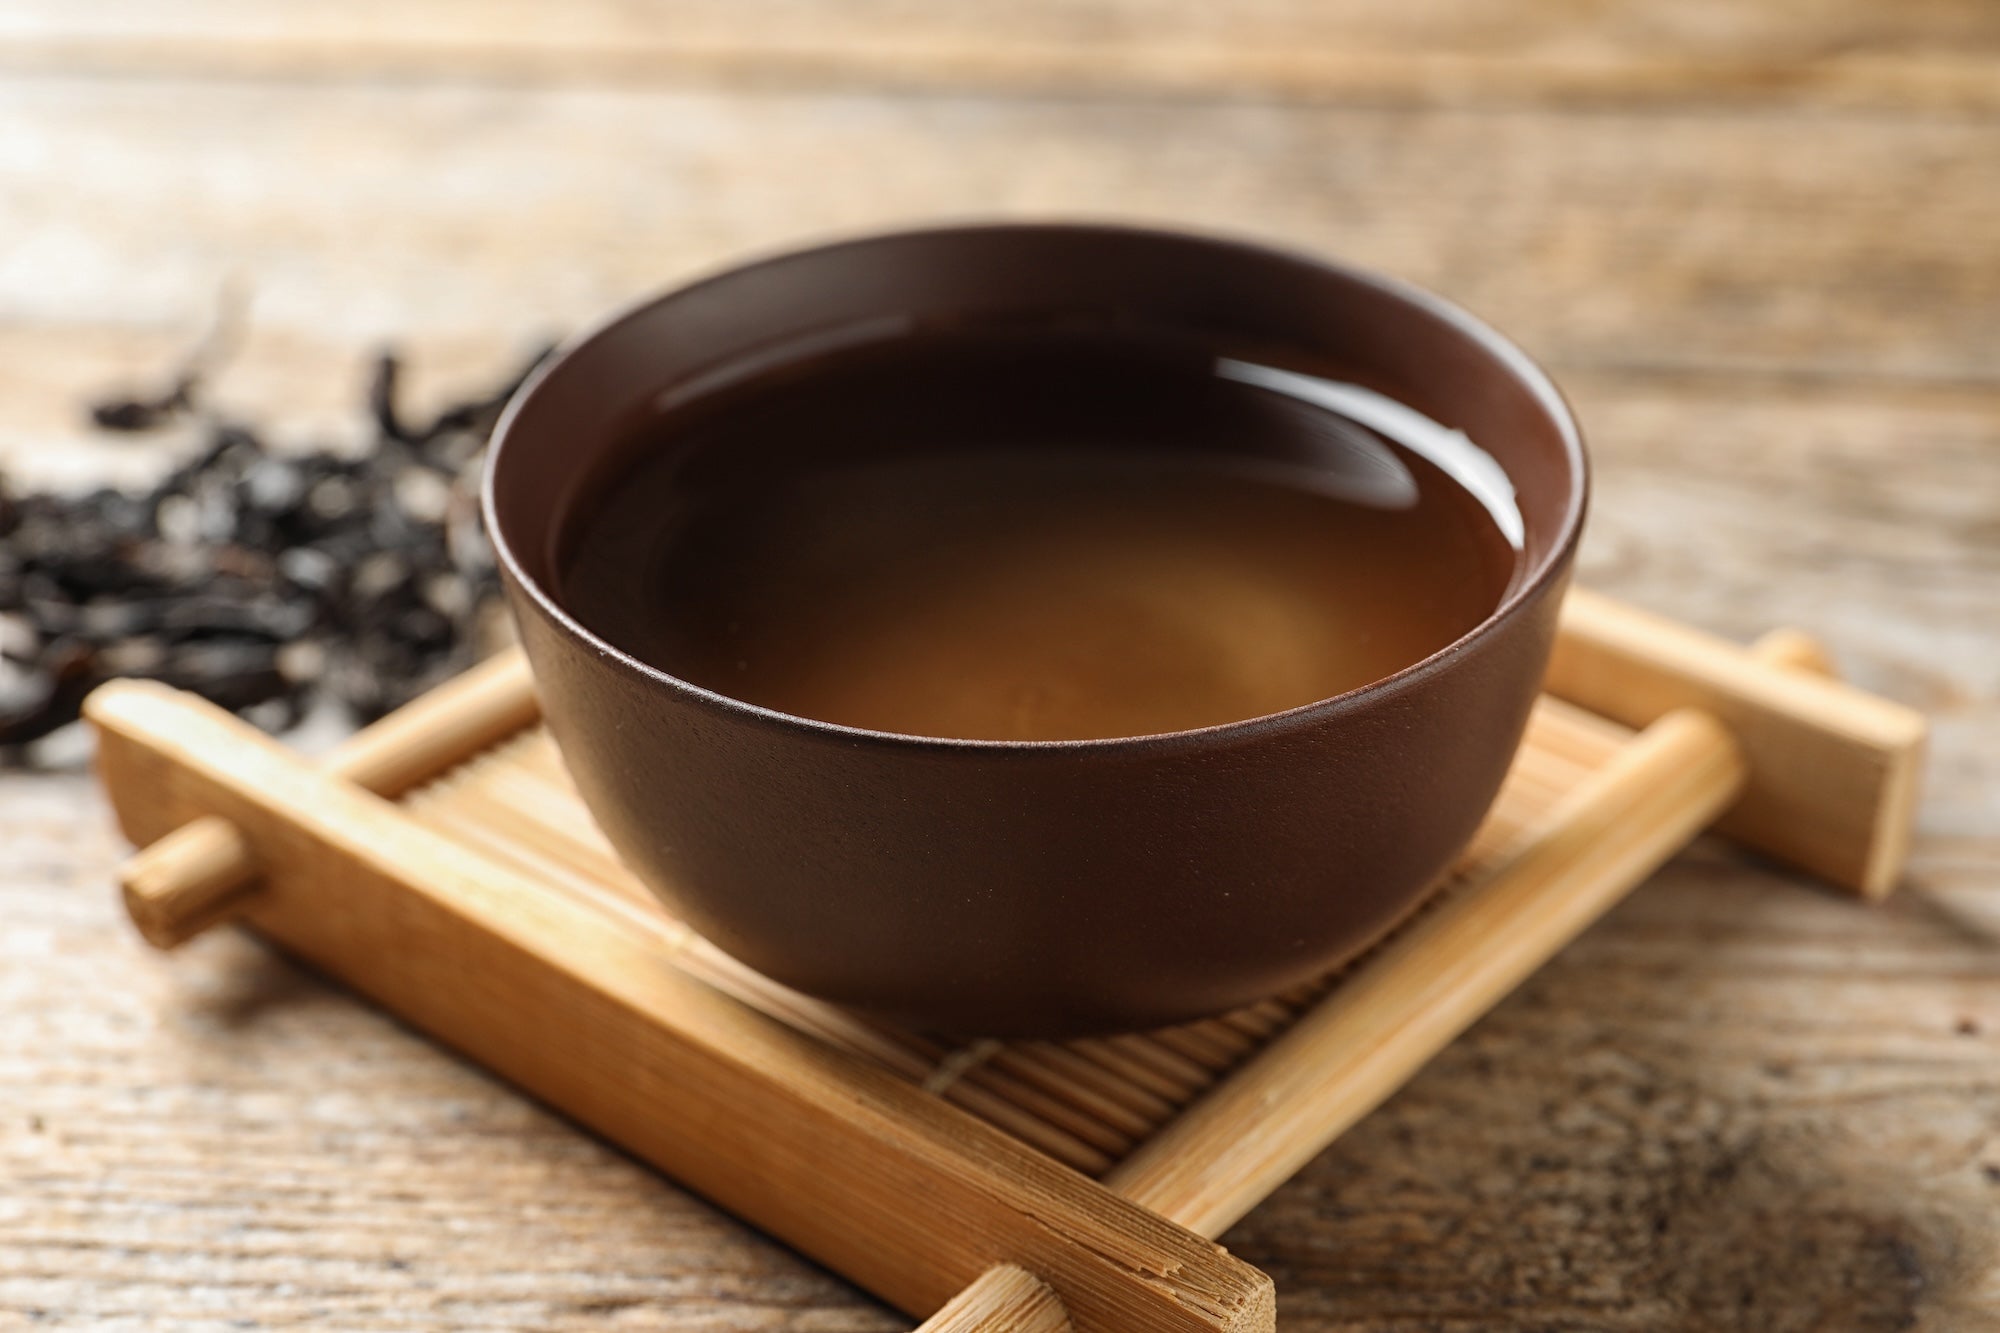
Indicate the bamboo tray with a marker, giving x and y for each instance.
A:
(440, 864)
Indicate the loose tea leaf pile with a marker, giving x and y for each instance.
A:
(264, 580)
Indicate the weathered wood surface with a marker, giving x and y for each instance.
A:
(1935, 53)
(1756, 243)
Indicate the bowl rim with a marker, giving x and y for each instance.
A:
(1520, 595)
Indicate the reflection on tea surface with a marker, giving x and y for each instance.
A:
(1038, 535)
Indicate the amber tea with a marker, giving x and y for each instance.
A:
(1036, 535)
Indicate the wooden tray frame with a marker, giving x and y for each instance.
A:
(949, 1199)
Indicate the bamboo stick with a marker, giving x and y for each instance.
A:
(199, 876)
(1005, 1299)
(1119, 1063)
(1135, 1099)
(186, 882)
(1794, 649)
(1833, 771)
(1047, 1074)
(487, 704)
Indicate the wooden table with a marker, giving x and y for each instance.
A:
(1759, 245)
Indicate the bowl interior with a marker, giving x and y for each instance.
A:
(561, 434)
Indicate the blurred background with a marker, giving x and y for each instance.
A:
(1693, 213)
(1755, 243)
(1758, 244)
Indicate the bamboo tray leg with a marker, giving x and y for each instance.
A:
(861, 1165)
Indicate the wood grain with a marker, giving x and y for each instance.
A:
(202, 874)
(1685, 242)
(1844, 53)
(1004, 1300)
(1763, 272)
(1833, 773)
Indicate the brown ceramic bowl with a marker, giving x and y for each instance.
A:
(1043, 887)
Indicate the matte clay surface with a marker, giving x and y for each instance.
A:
(1737, 1103)
(1021, 537)
(1067, 887)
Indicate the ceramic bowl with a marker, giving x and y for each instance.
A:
(1042, 887)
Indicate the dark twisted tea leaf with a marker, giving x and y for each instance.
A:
(382, 398)
(474, 417)
(44, 698)
(265, 581)
(131, 415)
(138, 413)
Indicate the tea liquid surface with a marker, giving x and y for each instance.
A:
(1011, 537)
